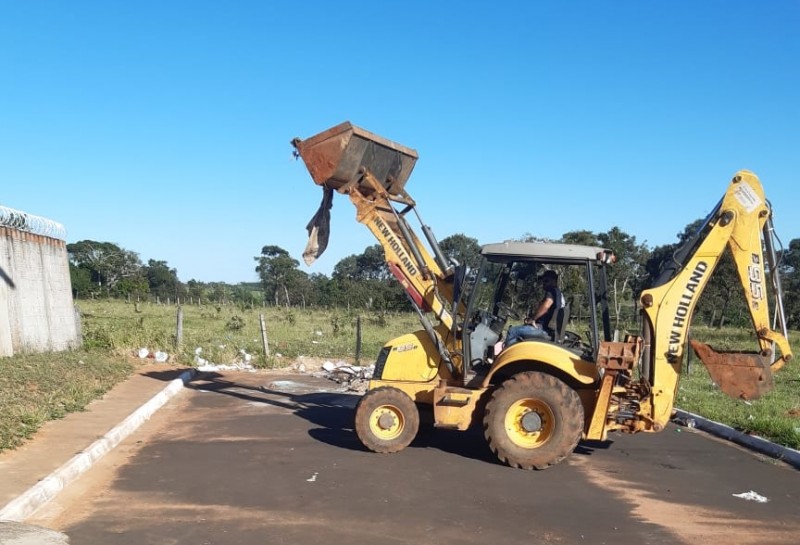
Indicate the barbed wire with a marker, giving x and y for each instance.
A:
(37, 225)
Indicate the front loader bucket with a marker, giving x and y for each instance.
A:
(336, 157)
(740, 375)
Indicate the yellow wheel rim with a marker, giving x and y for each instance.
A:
(529, 423)
(387, 422)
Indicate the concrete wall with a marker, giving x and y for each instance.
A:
(36, 309)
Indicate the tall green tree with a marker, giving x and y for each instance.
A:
(81, 278)
(368, 265)
(132, 286)
(574, 282)
(347, 267)
(276, 270)
(107, 263)
(300, 288)
(790, 273)
(462, 248)
(247, 295)
(583, 237)
(320, 286)
(662, 258)
(364, 281)
(163, 281)
(627, 276)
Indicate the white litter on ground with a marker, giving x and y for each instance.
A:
(241, 362)
(283, 385)
(312, 478)
(159, 356)
(751, 496)
(207, 366)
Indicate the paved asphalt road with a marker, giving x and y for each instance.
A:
(256, 459)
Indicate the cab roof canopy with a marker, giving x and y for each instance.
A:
(545, 251)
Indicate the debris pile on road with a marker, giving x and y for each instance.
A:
(354, 377)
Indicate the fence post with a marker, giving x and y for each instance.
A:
(264, 340)
(179, 329)
(78, 325)
(358, 340)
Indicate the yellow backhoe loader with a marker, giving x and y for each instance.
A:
(537, 398)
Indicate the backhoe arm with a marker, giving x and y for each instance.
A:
(741, 222)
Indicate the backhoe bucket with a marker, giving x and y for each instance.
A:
(741, 375)
(336, 157)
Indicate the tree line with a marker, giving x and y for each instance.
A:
(363, 281)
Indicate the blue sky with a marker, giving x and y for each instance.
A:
(164, 127)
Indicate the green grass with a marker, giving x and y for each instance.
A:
(36, 388)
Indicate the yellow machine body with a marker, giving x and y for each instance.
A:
(537, 398)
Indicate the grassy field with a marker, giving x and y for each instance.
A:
(36, 388)
(221, 333)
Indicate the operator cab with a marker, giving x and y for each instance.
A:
(501, 292)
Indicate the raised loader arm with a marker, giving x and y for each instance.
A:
(373, 171)
(741, 222)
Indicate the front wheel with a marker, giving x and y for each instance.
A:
(533, 420)
(387, 420)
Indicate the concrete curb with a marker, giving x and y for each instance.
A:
(784, 454)
(17, 533)
(45, 490)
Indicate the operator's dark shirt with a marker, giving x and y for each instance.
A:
(558, 302)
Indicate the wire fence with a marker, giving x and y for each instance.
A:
(22, 221)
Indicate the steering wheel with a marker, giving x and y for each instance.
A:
(572, 339)
(504, 311)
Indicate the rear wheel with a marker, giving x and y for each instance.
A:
(387, 420)
(533, 421)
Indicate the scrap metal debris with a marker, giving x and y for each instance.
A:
(354, 377)
(686, 422)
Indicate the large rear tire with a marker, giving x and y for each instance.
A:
(387, 420)
(533, 421)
